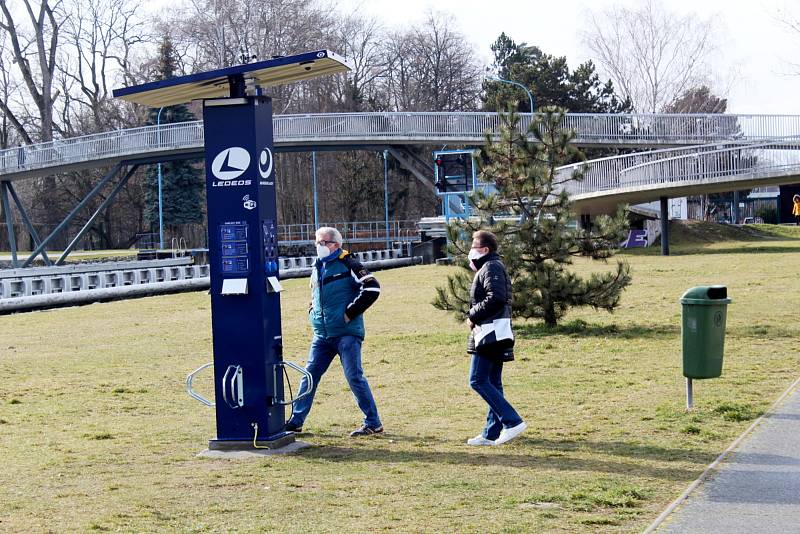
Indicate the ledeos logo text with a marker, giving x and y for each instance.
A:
(229, 165)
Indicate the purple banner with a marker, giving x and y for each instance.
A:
(636, 238)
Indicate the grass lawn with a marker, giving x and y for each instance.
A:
(97, 433)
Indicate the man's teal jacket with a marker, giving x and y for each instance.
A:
(340, 285)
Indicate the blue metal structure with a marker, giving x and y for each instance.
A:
(386, 195)
(160, 190)
(455, 177)
(243, 237)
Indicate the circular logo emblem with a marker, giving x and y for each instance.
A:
(265, 163)
(230, 163)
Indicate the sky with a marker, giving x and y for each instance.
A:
(754, 55)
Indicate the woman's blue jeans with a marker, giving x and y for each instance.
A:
(485, 377)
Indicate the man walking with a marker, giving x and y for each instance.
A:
(341, 291)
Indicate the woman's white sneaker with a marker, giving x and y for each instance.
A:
(507, 434)
(479, 440)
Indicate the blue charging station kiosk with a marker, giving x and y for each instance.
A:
(242, 236)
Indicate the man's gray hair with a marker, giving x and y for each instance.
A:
(330, 234)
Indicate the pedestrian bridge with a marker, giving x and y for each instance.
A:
(688, 153)
(332, 131)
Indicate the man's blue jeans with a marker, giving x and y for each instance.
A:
(485, 377)
(320, 356)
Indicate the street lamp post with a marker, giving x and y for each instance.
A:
(314, 178)
(386, 195)
(160, 194)
(503, 80)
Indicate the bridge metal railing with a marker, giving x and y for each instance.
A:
(589, 128)
(365, 128)
(631, 129)
(352, 231)
(119, 143)
(675, 164)
(603, 174)
(752, 161)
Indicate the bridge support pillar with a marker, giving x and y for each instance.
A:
(12, 241)
(664, 226)
(735, 208)
(96, 214)
(586, 221)
(27, 221)
(68, 219)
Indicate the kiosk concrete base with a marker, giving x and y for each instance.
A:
(276, 441)
(237, 450)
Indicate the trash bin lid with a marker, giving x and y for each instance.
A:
(706, 295)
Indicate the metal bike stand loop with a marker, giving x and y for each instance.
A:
(192, 393)
(279, 367)
(233, 381)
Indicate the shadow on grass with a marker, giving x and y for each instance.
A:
(535, 454)
(694, 250)
(764, 331)
(579, 328)
(766, 249)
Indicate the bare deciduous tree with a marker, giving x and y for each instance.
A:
(38, 41)
(431, 67)
(8, 86)
(359, 40)
(99, 36)
(651, 54)
(789, 19)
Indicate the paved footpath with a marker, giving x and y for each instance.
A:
(756, 489)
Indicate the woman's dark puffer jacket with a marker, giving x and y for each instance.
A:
(490, 297)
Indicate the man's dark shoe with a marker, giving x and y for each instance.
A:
(366, 431)
(291, 427)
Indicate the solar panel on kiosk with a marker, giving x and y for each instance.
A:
(217, 83)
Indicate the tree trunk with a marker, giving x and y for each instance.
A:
(550, 319)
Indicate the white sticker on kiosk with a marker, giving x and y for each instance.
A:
(234, 286)
(275, 284)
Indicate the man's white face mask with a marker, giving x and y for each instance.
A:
(323, 251)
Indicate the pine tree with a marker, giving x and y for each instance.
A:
(530, 212)
(550, 80)
(182, 183)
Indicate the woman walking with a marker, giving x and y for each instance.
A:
(491, 341)
(796, 209)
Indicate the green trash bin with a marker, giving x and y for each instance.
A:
(703, 329)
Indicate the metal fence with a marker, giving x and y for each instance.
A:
(116, 144)
(753, 161)
(634, 130)
(590, 129)
(682, 164)
(603, 174)
(352, 232)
